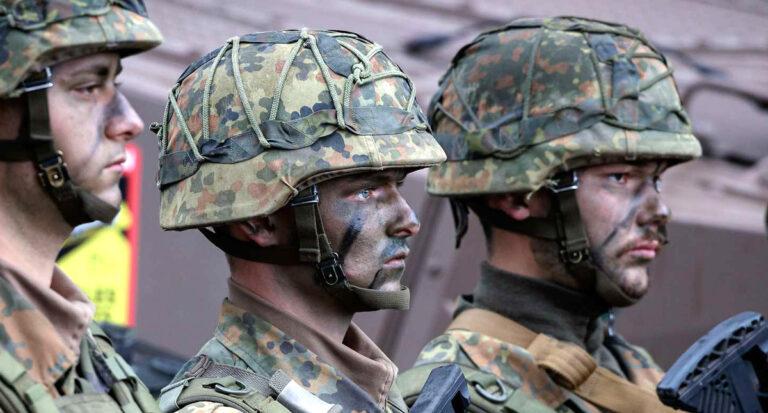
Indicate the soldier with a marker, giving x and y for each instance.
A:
(63, 129)
(286, 150)
(557, 132)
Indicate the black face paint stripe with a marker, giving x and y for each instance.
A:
(351, 233)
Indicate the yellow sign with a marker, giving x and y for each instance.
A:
(99, 261)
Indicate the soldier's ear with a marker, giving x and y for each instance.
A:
(262, 231)
(514, 205)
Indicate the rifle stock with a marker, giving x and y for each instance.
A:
(724, 371)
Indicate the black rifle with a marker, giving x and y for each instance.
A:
(445, 391)
(724, 371)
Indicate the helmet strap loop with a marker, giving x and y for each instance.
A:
(571, 236)
(308, 224)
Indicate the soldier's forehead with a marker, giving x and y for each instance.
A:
(376, 176)
(651, 165)
(98, 63)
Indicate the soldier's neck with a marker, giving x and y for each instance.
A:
(31, 236)
(293, 290)
(512, 252)
(528, 257)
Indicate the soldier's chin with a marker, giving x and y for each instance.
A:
(635, 283)
(387, 280)
(110, 195)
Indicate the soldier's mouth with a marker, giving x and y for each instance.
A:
(397, 260)
(644, 249)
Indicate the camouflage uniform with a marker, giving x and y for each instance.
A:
(250, 128)
(51, 357)
(546, 308)
(247, 337)
(522, 108)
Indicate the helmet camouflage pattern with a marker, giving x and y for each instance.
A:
(36, 34)
(269, 114)
(541, 96)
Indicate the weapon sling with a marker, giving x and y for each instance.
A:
(568, 364)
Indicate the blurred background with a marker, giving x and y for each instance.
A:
(715, 266)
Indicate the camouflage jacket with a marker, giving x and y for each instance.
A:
(48, 333)
(543, 308)
(246, 340)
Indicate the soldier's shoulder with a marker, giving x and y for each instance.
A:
(207, 407)
(220, 353)
(444, 348)
(494, 370)
(477, 350)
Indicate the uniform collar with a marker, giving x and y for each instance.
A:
(541, 306)
(43, 325)
(268, 339)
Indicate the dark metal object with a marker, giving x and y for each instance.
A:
(445, 391)
(724, 371)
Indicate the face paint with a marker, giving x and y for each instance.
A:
(368, 222)
(350, 235)
(625, 221)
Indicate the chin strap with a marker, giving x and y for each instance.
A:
(563, 226)
(314, 248)
(35, 144)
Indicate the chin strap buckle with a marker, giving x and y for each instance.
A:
(331, 271)
(566, 182)
(574, 256)
(38, 81)
(53, 171)
(311, 198)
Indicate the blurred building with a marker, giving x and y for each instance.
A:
(717, 261)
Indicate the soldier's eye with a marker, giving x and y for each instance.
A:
(91, 88)
(88, 89)
(619, 177)
(365, 193)
(657, 183)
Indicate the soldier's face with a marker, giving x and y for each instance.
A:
(91, 122)
(625, 218)
(368, 223)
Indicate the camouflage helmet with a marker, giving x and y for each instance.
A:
(540, 96)
(269, 114)
(35, 34)
(254, 125)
